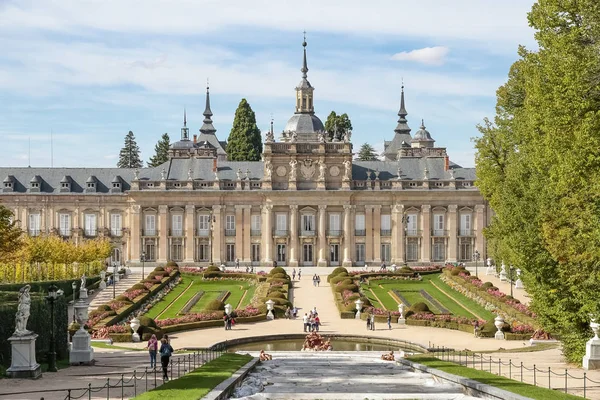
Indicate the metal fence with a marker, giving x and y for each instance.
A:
(142, 381)
(531, 375)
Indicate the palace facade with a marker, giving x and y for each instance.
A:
(307, 203)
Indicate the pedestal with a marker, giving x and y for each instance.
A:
(499, 335)
(102, 285)
(83, 293)
(81, 349)
(135, 337)
(320, 185)
(270, 315)
(503, 277)
(23, 363)
(293, 264)
(292, 185)
(322, 263)
(401, 321)
(591, 360)
(357, 315)
(345, 185)
(347, 264)
(519, 284)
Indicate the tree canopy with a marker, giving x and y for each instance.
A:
(10, 235)
(337, 123)
(161, 151)
(366, 153)
(129, 157)
(538, 165)
(245, 141)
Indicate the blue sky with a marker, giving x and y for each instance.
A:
(90, 71)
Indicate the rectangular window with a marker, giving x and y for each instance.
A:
(359, 225)
(115, 225)
(308, 223)
(255, 224)
(34, 224)
(465, 225)
(150, 249)
(334, 222)
(230, 222)
(177, 225)
(203, 252)
(90, 224)
(360, 253)
(281, 223)
(150, 225)
(176, 250)
(203, 225)
(65, 224)
(412, 249)
(411, 224)
(230, 252)
(386, 225)
(386, 252)
(280, 254)
(439, 250)
(255, 252)
(438, 224)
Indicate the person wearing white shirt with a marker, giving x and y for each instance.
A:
(305, 321)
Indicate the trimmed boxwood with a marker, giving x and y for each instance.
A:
(213, 268)
(159, 269)
(346, 286)
(277, 270)
(420, 307)
(172, 264)
(215, 305)
(278, 295)
(284, 276)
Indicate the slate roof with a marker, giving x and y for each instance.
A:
(411, 169)
(304, 123)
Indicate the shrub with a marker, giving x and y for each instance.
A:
(276, 295)
(340, 277)
(346, 286)
(215, 305)
(283, 276)
(277, 270)
(172, 264)
(147, 321)
(338, 270)
(138, 286)
(104, 307)
(420, 308)
(159, 269)
(213, 268)
(406, 270)
(123, 298)
(489, 329)
(280, 302)
(213, 274)
(366, 302)
(274, 280)
(487, 285)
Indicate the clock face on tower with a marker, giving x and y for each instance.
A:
(334, 171)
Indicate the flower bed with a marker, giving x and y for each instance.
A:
(192, 302)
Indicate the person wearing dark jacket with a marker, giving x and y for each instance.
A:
(165, 354)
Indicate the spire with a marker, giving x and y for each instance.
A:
(402, 112)
(272, 124)
(184, 118)
(304, 91)
(304, 68)
(185, 131)
(207, 126)
(402, 127)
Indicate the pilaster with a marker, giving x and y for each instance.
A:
(369, 234)
(134, 239)
(217, 234)
(246, 256)
(322, 236)
(239, 231)
(452, 232)
(479, 224)
(293, 236)
(190, 213)
(397, 234)
(163, 235)
(377, 233)
(347, 235)
(267, 234)
(426, 226)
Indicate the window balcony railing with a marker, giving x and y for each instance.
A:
(203, 232)
(64, 232)
(280, 232)
(465, 232)
(385, 232)
(255, 232)
(176, 232)
(149, 232)
(439, 233)
(229, 232)
(114, 232)
(90, 232)
(413, 232)
(360, 232)
(34, 232)
(334, 232)
(307, 233)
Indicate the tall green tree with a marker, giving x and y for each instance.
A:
(161, 150)
(538, 165)
(10, 236)
(366, 153)
(244, 142)
(129, 157)
(337, 123)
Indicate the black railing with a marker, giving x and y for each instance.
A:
(229, 232)
(334, 232)
(532, 375)
(142, 381)
(203, 232)
(280, 232)
(255, 232)
(385, 232)
(176, 232)
(360, 232)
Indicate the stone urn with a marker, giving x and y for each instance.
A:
(503, 277)
(519, 282)
(134, 324)
(591, 360)
(499, 323)
(401, 319)
(359, 303)
(595, 328)
(81, 313)
(102, 285)
(229, 308)
(270, 303)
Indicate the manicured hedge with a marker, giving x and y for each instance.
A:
(42, 286)
(209, 324)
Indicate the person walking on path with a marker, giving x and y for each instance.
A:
(317, 322)
(299, 273)
(237, 263)
(295, 311)
(389, 320)
(152, 349)
(368, 322)
(165, 355)
(315, 280)
(305, 321)
(372, 322)
(318, 280)
(294, 274)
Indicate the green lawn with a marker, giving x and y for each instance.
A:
(524, 389)
(410, 290)
(199, 382)
(175, 300)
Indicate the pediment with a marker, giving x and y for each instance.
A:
(176, 209)
(412, 210)
(150, 210)
(439, 209)
(466, 209)
(308, 210)
(203, 210)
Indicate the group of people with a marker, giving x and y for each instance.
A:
(291, 312)
(229, 320)
(294, 274)
(165, 350)
(371, 321)
(316, 280)
(311, 321)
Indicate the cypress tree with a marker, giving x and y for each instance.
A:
(129, 157)
(367, 153)
(161, 151)
(244, 142)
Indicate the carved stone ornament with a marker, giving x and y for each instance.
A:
(23, 312)
(281, 170)
(308, 168)
(334, 171)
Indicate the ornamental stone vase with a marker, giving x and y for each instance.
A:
(401, 319)
(499, 322)
(270, 304)
(81, 351)
(359, 305)
(591, 360)
(134, 324)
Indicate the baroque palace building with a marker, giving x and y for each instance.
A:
(307, 203)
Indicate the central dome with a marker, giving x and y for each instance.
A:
(304, 123)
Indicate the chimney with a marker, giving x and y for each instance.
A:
(215, 164)
(446, 163)
(195, 138)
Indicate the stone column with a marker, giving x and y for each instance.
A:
(452, 232)
(322, 236)
(369, 234)
(43, 219)
(163, 233)
(190, 212)
(479, 225)
(239, 231)
(377, 233)
(397, 234)
(246, 256)
(293, 236)
(426, 226)
(347, 236)
(267, 237)
(134, 233)
(217, 235)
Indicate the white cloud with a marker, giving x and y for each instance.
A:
(427, 55)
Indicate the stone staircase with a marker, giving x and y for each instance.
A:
(104, 296)
(341, 375)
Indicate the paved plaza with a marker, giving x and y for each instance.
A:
(114, 362)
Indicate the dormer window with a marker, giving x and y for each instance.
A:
(64, 185)
(91, 185)
(35, 185)
(8, 185)
(116, 185)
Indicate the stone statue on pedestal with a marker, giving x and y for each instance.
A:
(23, 311)
(293, 170)
(83, 282)
(239, 174)
(347, 170)
(270, 137)
(322, 169)
(268, 170)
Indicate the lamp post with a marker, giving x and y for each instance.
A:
(476, 257)
(404, 225)
(143, 257)
(115, 272)
(510, 276)
(74, 286)
(52, 295)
